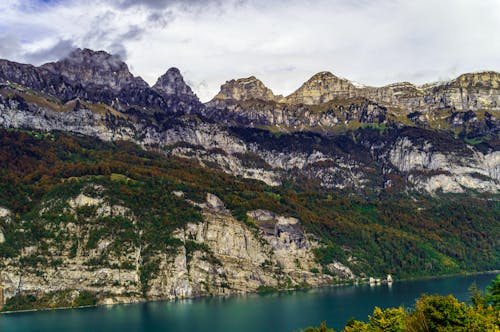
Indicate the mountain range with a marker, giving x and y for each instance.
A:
(460, 116)
(377, 155)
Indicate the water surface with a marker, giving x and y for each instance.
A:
(288, 311)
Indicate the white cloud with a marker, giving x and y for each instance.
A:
(281, 42)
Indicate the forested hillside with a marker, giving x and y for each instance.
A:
(402, 234)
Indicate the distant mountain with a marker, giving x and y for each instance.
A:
(92, 76)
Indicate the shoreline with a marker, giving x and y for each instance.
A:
(350, 283)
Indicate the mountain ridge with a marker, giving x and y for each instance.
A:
(340, 87)
(167, 115)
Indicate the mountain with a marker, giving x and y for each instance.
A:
(244, 89)
(321, 88)
(89, 68)
(121, 191)
(467, 105)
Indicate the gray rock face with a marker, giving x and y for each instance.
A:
(87, 67)
(452, 171)
(467, 92)
(172, 83)
(96, 77)
(475, 91)
(177, 94)
(214, 202)
(469, 103)
(296, 117)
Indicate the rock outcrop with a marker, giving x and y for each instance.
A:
(92, 76)
(322, 88)
(89, 68)
(244, 89)
(172, 84)
(468, 104)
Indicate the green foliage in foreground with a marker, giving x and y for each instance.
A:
(434, 313)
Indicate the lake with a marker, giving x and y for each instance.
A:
(287, 311)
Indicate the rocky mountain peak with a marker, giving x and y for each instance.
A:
(172, 83)
(249, 88)
(485, 79)
(89, 67)
(320, 88)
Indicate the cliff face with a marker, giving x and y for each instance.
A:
(245, 89)
(477, 91)
(321, 88)
(217, 256)
(90, 68)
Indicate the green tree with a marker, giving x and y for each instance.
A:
(493, 293)
(442, 312)
(477, 297)
(390, 320)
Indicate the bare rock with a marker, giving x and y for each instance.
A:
(4, 212)
(83, 200)
(246, 89)
(214, 202)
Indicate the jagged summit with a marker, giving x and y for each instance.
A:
(249, 88)
(88, 67)
(98, 76)
(172, 83)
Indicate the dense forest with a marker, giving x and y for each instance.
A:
(401, 233)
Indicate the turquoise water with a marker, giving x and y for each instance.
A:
(288, 311)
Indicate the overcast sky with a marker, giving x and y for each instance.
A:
(374, 42)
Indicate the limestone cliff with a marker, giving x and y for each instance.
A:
(217, 256)
(335, 162)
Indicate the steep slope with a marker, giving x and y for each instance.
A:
(89, 68)
(177, 93)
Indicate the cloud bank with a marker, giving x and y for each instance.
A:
(281, 42)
